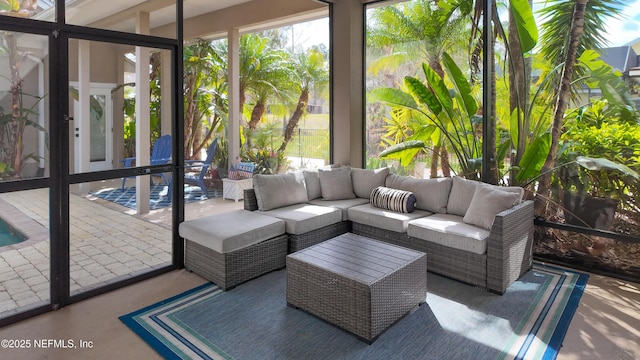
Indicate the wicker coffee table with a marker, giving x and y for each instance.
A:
(359, 284)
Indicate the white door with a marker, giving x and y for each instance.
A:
(100, 145)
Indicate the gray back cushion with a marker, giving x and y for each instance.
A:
(486, 203)
(312, 181)
(274, 191)
(431, 194)
(336, 183)
(365, 180)
(462, 191)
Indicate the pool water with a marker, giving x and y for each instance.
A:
(9, 235)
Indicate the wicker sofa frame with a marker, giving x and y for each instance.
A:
(230, 269)
(508, 256)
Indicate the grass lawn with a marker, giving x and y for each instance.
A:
(309, 121)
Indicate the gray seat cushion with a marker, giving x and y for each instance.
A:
(230, 231)
(385, 219)
(431, 194)
(449, 230)
(343, 205)
(302, 218)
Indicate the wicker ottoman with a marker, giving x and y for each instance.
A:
(361, 285)
(231, 248)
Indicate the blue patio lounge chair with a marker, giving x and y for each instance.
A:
(196, 170)
(160, 154)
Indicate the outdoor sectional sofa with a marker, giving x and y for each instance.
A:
(473, 232)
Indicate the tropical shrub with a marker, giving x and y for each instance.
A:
(451, 116)
(608, 131)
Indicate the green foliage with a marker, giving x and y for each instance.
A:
(12, 135)
(610, 133)
(451, 112)
(534, 157)
(525, 24)
(264, 160)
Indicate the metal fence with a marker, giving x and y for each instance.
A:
(306, 144)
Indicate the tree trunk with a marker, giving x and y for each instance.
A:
(256, 114)
(434, 64)
(15, 146)
(519, 90)
(435, 156)
(564, 93)
(189, 115)
(444, 159)
(292, 124)
(491, 133)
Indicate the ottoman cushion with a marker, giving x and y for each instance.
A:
(232, 230)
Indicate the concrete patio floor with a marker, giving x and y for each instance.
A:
(108, 242)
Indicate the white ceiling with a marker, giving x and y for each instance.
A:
(120, 14)
(162, 12)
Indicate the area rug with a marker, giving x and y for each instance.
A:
(458, 321)
(158, 196)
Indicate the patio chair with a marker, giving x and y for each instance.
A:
(160, 154)
(199, 169)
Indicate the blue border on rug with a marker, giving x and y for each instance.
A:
(551, 352)
(555, 343)
(149, 338)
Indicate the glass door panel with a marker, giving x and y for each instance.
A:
(23, 100)
(108, 241)
(24, 154)
(24, 251)
(121, 120)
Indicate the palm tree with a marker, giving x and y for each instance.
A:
(205, 88)
(412, 31)
(310, 73)
(567, 32)
(262, 72)
(557, 25)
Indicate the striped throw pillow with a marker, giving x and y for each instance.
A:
(393, 199)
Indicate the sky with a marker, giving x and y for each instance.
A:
(313, 32)
(622, 31)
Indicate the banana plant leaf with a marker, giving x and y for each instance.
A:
(534, 157)
(405, 151)
(525, 24)
(602, 164)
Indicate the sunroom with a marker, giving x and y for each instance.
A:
(87, 102)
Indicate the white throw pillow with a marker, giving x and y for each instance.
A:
(486, 204)
(336, 183)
